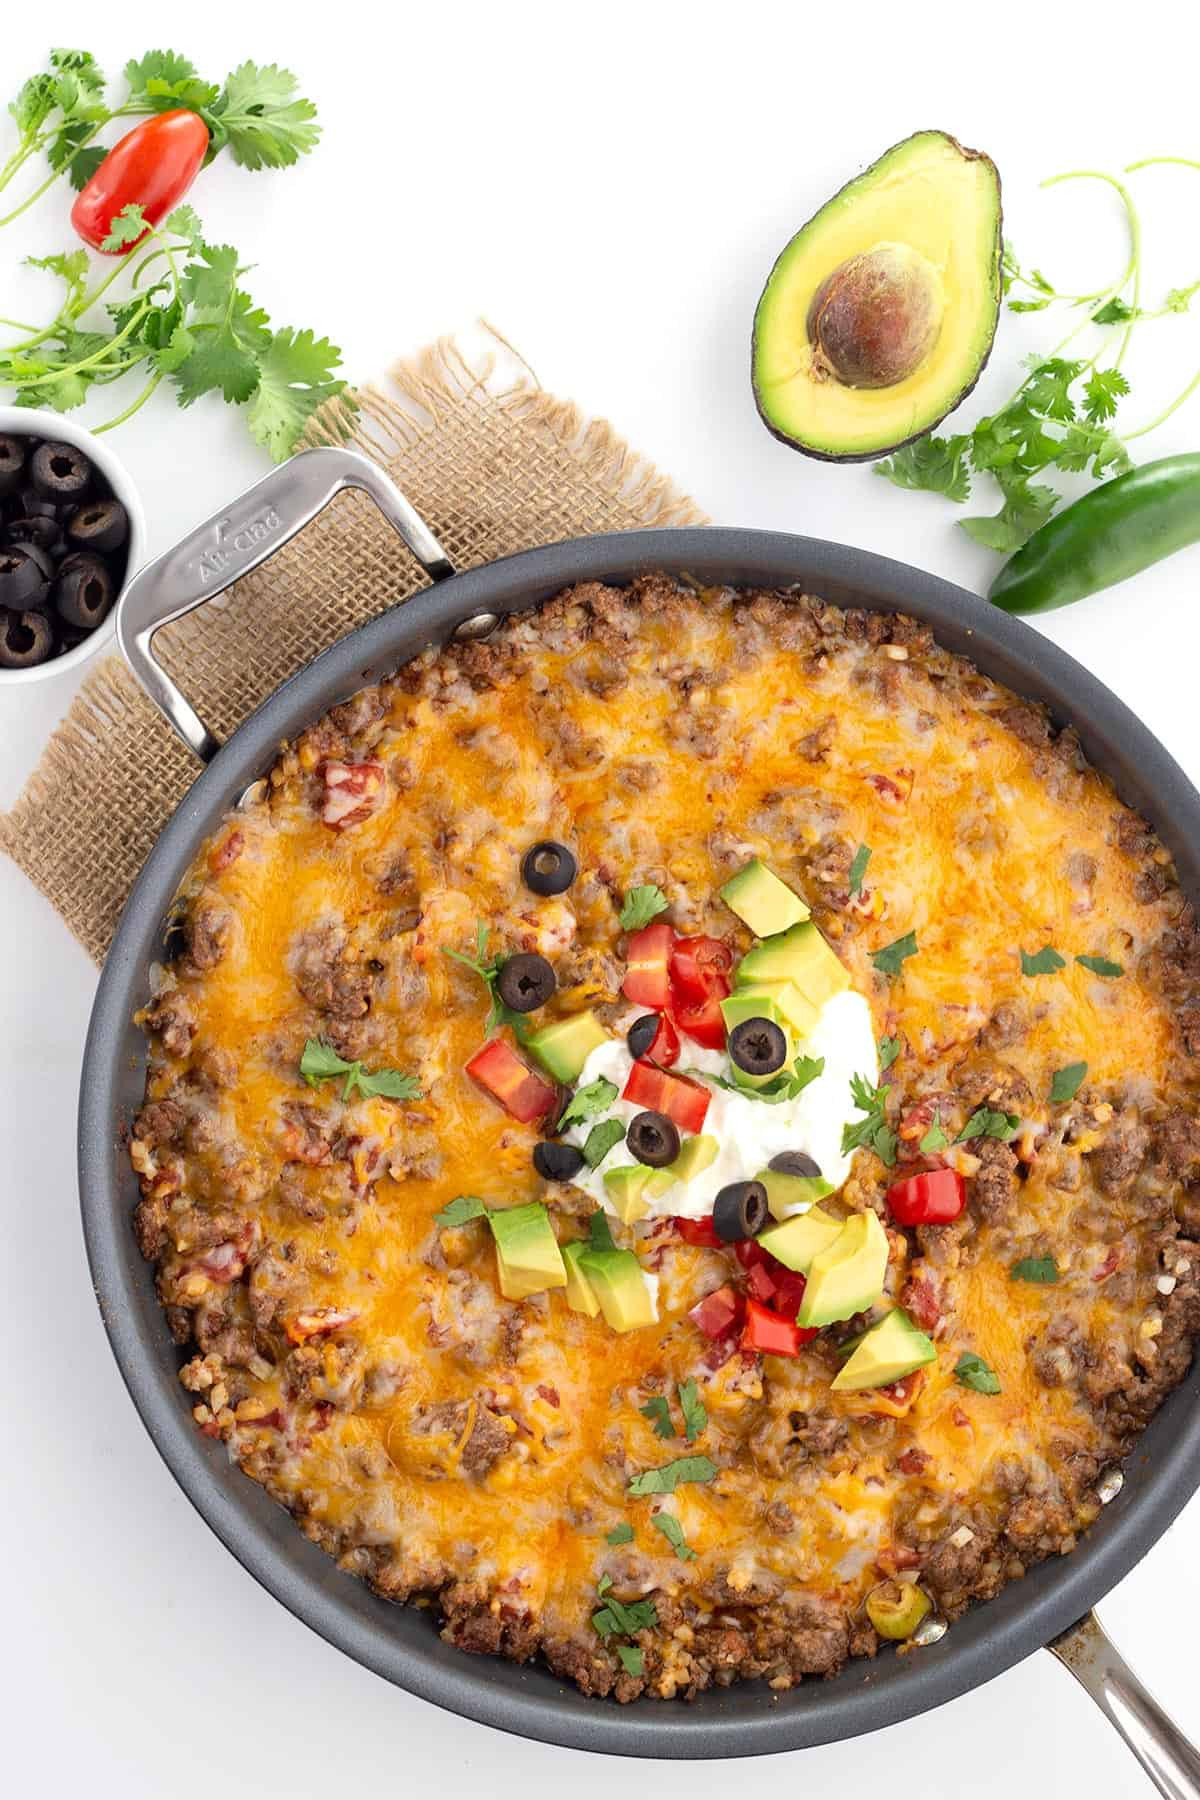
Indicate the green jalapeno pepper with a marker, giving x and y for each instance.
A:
(1112, 533)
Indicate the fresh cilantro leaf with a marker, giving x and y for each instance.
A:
(641, 905)
(459, 1211)
(217, 364)
(1046, 961)
(620, 1534)
(175, 352)
(600, 1235)
(631, 1658)
(806, 1069)
(932, 465)
(888, 960)
(209, 279)
(259, 114)
(83, 165)
(1067, 1082)
(935, 1138)
(1041, 1269)
(666, 1479)
(319, 1062)
(1180, 299)
(786, 1085)
(971, 1371)
(1101, 965)
(1025, 509)
(889, 1050)
(183, 222)
(695, 1417)
(615, 1618)
(387, 1084)
(871, 1132)
(600, 1140)
(858, 868)
(986, 1123)
(125, 228)
(596, 1097)
(71, 269)
(295, 380)
(162, 80)
(657, 1409)
(672, 1530)
(1028, 306)
(1048, 389)
(885, 1144)
(1113, 312)
(488, 972)
(1101, 392)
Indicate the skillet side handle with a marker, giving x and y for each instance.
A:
(1171, 1762)
(238, 539)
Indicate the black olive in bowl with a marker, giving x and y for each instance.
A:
(83, 591)
(22, 582)
(13, 454)
(99, 525)
(62, 473)
(26, 639)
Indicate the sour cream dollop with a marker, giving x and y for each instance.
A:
(749, 1132)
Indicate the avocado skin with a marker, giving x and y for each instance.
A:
(862, 456)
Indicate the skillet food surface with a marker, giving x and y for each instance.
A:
(739, 1410)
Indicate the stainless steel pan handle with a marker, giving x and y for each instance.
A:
(1171, 1762)
(238, 539)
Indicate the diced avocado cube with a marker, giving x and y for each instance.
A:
(580, 1297)
(695, 1155)
(564, 1047)
(847, 1276)
(763, 902)
(892, 1348)
(528, 1258)
(619, 1284)
(753, 1003)
(800, 955)
(798, 1242)
(626, 1188)
(788, 1194)
(796, 1011)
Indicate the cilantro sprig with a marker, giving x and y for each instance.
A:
(971, 1371)
(671, 1475)
(984, 1122)
(672, 1530)
(892, 957)
(488, 972)
(642, 904)
(616, 1619)
(587, 1101)
(1042, 1270)
(787, 1084)
(1045, 961)
(695, 1415)
(872, 1132)
(321, 1062)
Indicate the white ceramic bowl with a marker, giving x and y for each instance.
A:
(22, 421)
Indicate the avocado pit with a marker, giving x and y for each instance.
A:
(876, 319)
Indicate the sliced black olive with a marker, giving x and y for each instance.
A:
(22, 583)
(83, 591)
(13, 452)
(26, 639)
(61, 472)
(758, 1046)
(653, 1139)
(43, 558)
(641, 1034)
(43, 529)
(525, 982)
(34, 505)
(99, 525)
(740, 1211)
(548, 868)
(557, 1162)
(795, 1162)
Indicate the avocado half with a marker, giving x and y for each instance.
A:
(879, 316)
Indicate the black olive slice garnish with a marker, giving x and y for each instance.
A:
(758, 1046)
(548, 868)
(42, 529)
(22, 583)
(740, 1211)
(557, 1162)
(61, 472)
(26, 639)
(641, 1034)
(525, 982)
(99, 525)
(795, 1162)
(653, 1139)
(83, 591)
(12, 463)
(43, 558)
(34, 505)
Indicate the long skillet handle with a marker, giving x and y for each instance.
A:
(1171, 1762)
(233, 542)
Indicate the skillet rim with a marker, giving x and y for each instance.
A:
(398, 1643)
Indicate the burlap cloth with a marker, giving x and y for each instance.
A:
(492, 463)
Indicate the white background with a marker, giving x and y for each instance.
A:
(609, 185)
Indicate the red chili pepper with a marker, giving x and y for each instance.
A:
(648, 961)
(718, 1313)
(702, 1020)
(499, 1070)
(683, 1101)
(701, 1232)
(699, 966)
(934, 1198)
(764, 1330)
(664, 1045)
(152, 166)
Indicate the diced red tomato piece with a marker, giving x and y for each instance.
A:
(664, 1045)
(749, 1252)
(759, 1282)
(683, 1101)
(701, 1232)
(766, 1331)
(789, 1292)
(500, 1072)
(352, 792)
(699, 966)
(934, 1198)
(703, 1020)
(719, 1313)
(648, 963)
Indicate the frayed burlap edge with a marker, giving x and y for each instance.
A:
(491, 461)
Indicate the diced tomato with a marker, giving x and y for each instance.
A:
(703, 1020)
(352, 792)
(750, 1252)
(664, 1045)
(766, 1331)
(759, 1282)
(699, 966)
(920, 1299)
(499, 1070)
(701, 1232)
(648, 961)
(789, 1292)
(683, 1101)
(719, 1313)
(934, 1198)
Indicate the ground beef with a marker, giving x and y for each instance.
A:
(206, 934)
(1118, 1162)
(490, 1434)
(330, 975)
(992, 1191)
(170, 1017)
(1005, 1028)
